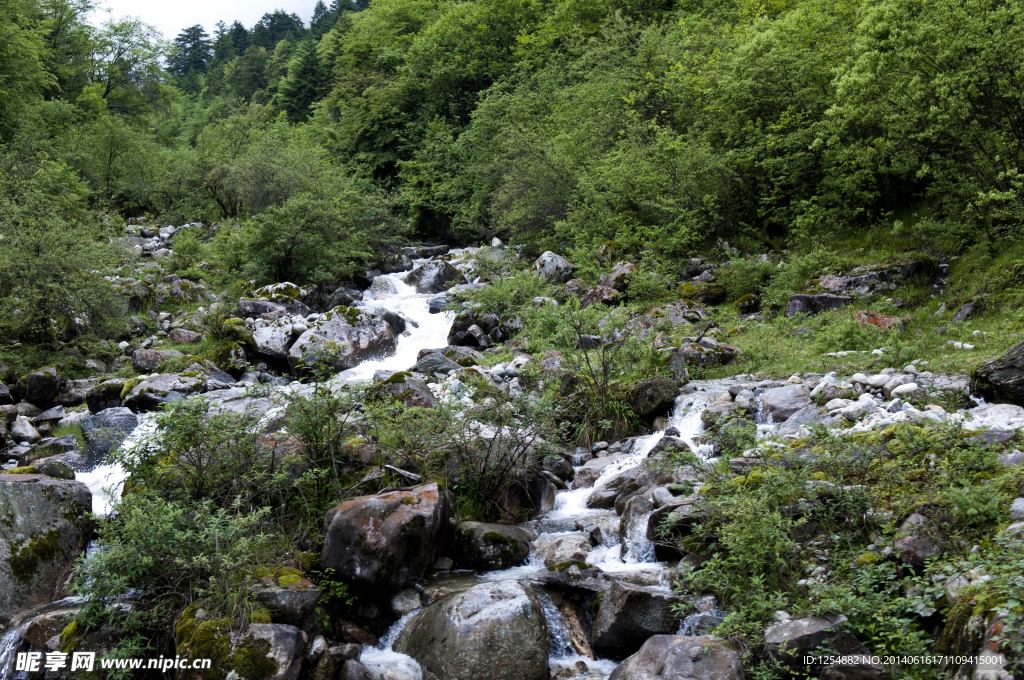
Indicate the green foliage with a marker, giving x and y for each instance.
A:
(846, 333)
(746, 277)
(53, 256)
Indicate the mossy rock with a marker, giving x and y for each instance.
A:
(229, 356)
(748, 304)
(702, 291)
(200, 637)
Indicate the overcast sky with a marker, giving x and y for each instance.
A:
(171, 16)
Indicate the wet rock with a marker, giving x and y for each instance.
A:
(342, 339)
(45, 528)
(602, 499)
(5, 395)
(802, 303)
(493, 631)
(106, 394)
(627, 615)
(436, 276)
(592, 469)
(331, 665)
(437, 304)
(291, 603)
(107, 430)
(286, 647)
(387, 540)
(405, 601)
(555, 549)
(654, 396)
(529, 495)
(559, 466)
(918, 539)
(435, 363)
(783, 402)
(148, 360)
(489, 547)
(554, 268)
(152, 393)
(41, 386)
(406, 389)
(672, 657)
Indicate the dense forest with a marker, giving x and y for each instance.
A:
(673, 124)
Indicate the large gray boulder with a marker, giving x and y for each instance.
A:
(147, 360)
(436, 276)
(627, 615)
(73, 392)
(286, 645)
(493, 631)
(152, 393)
(105, 394)
(435, 363)
(791, 640)
(782, 402)
(553, 267)
(24, 432)
(488, 547)
(814, 304)
(564, 547)
(342, 339)
(44, 528)
(291, 603)
(5, 395)
(107, 430)
(272, 339)
(654, 396)
(674, 657)
(406, 389)
(41, 386)
(387, 540)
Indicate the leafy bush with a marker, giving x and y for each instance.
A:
(846, 333)
(647, 285)
(54, 255)
(188, 251)
(746, 277)
(509, 295)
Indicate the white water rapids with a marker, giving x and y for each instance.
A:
(430, 331)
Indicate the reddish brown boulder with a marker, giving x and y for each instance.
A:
(387, 540)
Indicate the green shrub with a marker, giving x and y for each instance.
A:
(746, 277)
(846, 333)
(187, 252)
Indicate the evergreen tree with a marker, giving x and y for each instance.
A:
(240, 37)
(193, 51)
(322, 21)
(305, 84)
(276, 26)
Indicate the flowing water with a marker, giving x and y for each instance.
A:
(635, 555)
